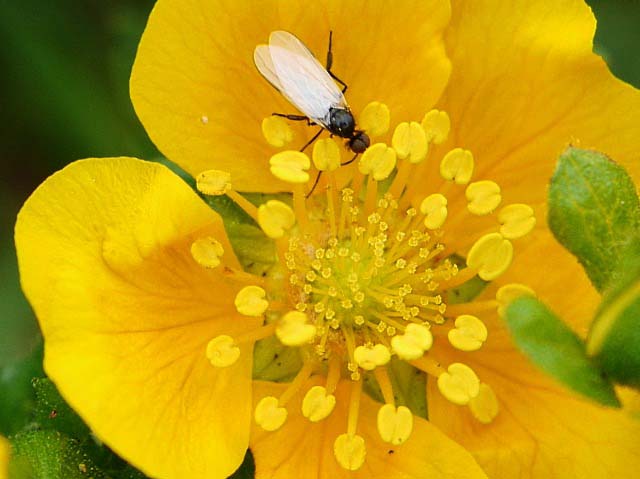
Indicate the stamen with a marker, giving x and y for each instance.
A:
(395, 423)
(276, 131)
(378, 160)
(207, 252)
(375, 119)
(459, 384)
(484, 406)
(222, 351)
(457, 166)
(275, 218)
(294, 329)
(410, 142)
(517, 220)
(507, 293)
(349, 448)
(491, 255)
(251, 301)
(469, 333)
(326, 155)
(434, 208)
(483, 196)
(290, 166)
(213, 182)
(436, 125)
(269, 415)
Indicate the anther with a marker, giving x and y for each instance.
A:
(222, 351)
(483, 197)
(369, 358)
(276, 131)
(484, 406)
(207, 252)
(269, 414)
(434, 208)
(326, 155)
(469, 333)
(375, 119)
(294, 329)
(350, 451)
(413, 343)
(395, 423)
(507, 293)
(213, 182)
(317, 404)
(275, 218)
(410, 142)
(491, 255)
(459, 384)
(457, 166)
(379, 161)
(251, 301)
(436, 125)
(517, 220)
(290, 166)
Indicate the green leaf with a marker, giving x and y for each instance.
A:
(614, 338)
(593, 211)
(51, 455)
(553, 347)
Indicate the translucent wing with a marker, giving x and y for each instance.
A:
(291, 68)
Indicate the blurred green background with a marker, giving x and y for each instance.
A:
(65, 66)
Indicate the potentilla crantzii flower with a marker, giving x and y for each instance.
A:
(352, 329)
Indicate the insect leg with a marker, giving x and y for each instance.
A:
(351, 160)
(330, 63)
(312, 139)
(315, 183)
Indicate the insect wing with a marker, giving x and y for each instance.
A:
(299, 76)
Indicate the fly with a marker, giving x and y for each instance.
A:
(292, 69)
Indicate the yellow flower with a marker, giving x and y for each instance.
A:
(150, 322)
(5, 450)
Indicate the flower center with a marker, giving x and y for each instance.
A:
(365, 271)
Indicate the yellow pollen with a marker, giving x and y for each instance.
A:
(213, 182)
(413, 343)
(326, 155)
(269, 415)
(251, 301)
(318, 404)
(434, 208)
(395, 423)
(469, 333)
(483, 196)
(378, 160)
(509, 292)
(222, 351)
(290, 166)
(276, 131)
(207, 252)
(484, 406)
(436, 125)
(410, 142)
(294, 329)
(375, 119)
(517, 220)
(275, 218)
(350, 451)
(457, 166)
(459, 384)
(491, 255)
(369, 358)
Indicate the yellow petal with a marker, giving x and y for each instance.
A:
(532, 86)
(5, 450)
(301, 448)
(104, 255)
(199, 96)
